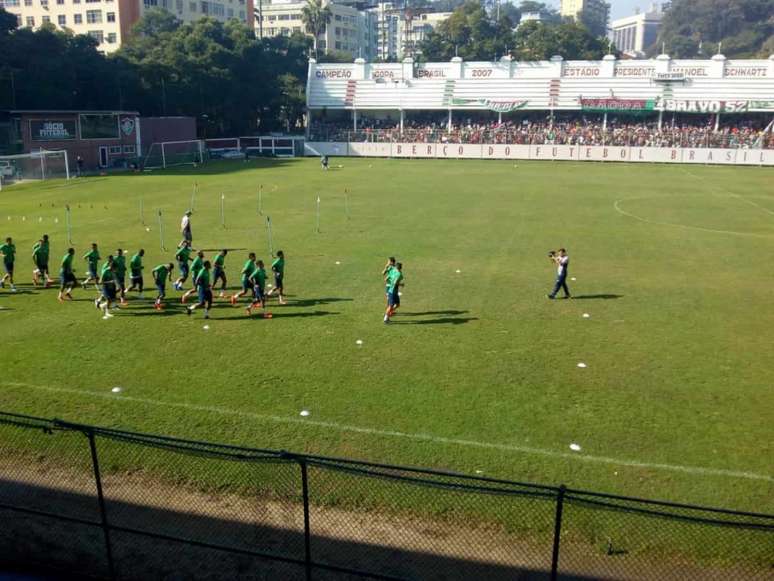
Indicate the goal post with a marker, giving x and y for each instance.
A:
(273, 145)
(37, 165)
(164, 154)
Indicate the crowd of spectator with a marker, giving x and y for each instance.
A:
(698, 132)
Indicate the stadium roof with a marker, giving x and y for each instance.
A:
(717, 85)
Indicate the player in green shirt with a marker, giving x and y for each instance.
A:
(203, 286)
(388, 268)
(40, 252)
(394, 282)
(258, 279)
(183, 256)
(66, 276)
(109, 282)
(278, 267)
(120, 262)
(161, 274)
(196, 267)
(135, 271)
(8, 250)
(92, 258)
(106, 267)
(246, 272)
(219, 271)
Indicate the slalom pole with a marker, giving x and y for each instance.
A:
(68, 219)
(346, 202)
(260, 200)
(223, 210)
(161, 232)
(318, 213)
(269, 236)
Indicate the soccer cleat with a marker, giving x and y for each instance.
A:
(206, 315)
(267, 315)
(96, 303)
(13, 289)
(60, 299)
(188, 311)
(233, 300)
(550, 297)
(249, 310)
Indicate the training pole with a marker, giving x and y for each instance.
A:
(346, 203)
(318, 214)
(269, 236)
(223, 210)
(260, 200)
(68, 221)
(161, 232)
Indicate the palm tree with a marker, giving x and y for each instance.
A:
(316, 18)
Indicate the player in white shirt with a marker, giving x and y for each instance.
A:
(185, 226)
(562, 262)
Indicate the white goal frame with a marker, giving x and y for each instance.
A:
(166, 156)
(10, 172)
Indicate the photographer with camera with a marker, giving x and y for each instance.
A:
(562, 262)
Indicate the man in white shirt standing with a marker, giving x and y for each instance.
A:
(185, 226)
(562, 262)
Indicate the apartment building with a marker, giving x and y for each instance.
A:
(109, 22)
(633, 35)
(399, 32)
(588, 11)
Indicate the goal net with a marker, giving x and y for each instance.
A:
(174, 153)
(38, 165)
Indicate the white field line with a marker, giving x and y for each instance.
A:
(618, 209)
(409, 436)
(728, 192)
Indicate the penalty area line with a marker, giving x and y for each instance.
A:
(697, 470)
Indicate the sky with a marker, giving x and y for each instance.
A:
(619, 8)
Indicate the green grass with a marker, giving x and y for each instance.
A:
(478, 364)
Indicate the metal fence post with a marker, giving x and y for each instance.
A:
(102, 511)
(307, 526)
(557, 532)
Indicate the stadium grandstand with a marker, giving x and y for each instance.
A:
(651, 110)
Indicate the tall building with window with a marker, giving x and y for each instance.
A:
(109, 22)
(350, 30)
(633, 35)
(595, 14)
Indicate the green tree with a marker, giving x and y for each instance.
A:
(745, 27)
(540, 41)
(470, 33)
(316, 17)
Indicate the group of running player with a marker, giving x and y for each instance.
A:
(110, 277)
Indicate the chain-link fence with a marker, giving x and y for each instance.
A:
(121, 505)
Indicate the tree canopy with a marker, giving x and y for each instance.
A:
(217, 72)
(472, 34)
(693, 28)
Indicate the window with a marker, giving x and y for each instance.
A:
(242, 14)
(218, 9)
(115, 149)
(323, 44)
(149, 3)
(129, 149)
(11, 3)
(296, 29)
(96, 35)
(272, 18)
(62, 20)
(111, 16)
(205, 7)
(46, 20)
(16, 3)
(30, 21)
(230, 12)
(112, 38)
(338, 32)
(272, 31)
(60, 2)
(338, 45)
(192, 6)
(44, 4)
(337, 18)
(285, 31)
(77, 19)
(179, 5)
(93, 17)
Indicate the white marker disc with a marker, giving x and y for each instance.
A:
(304, 413)
(116, 390)
(581, 365)
(574, 447)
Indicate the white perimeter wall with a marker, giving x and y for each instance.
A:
(545, 152)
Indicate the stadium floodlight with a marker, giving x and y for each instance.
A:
(162, 155)
(38, 165)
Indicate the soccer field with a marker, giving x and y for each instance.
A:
(479, 371)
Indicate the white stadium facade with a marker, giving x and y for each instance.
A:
(488, 110)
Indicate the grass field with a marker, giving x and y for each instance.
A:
(479, 370)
